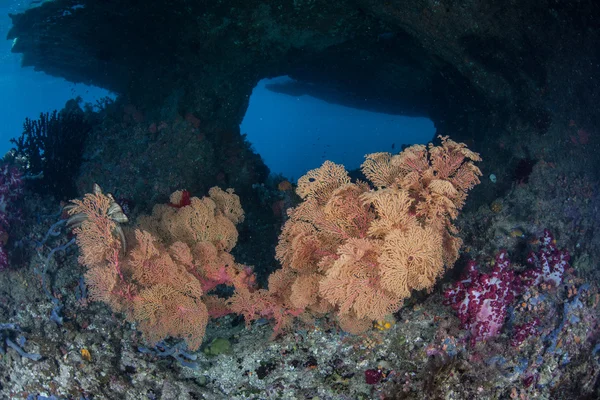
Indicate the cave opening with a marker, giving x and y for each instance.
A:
(294, 131)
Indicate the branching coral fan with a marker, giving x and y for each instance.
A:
(353, 249)
(358, 249)
(176, 256)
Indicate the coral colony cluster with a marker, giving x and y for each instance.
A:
(351, 250)
(549, 263)
(11, 187)
(482, 300)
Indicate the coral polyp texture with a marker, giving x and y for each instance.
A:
(358, 249)
(482, 300)
(550, 263)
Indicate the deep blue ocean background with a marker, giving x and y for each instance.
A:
(292, 134)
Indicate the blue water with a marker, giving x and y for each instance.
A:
(296, 134)
(292, 134)
(25, 93)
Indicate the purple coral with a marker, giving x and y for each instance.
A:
(11, 188)
(481, 300)
(550, 263)
(523, 331)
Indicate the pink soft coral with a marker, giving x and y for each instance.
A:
(481, 300)
(550, 263)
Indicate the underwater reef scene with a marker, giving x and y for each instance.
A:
(147, 252)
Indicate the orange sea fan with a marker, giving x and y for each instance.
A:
(345, 215)
(353, 284)
(411, 259)
(448, 158)
(301, 245)
(143, 251)
(367, 248)
(182, 254)
(320, 183)
(393, 208)
(102, 281)
(305, 290)
(379, 169)
(284, 251)
(466, 177)
(305, 253)
(412, 159)
(159, 282)
(352, 324)
(96, 236)
(436, 208)
(163, 311)
(200, 221)
(152, 265)
(451, 245)
(228, 203)
(213, 266)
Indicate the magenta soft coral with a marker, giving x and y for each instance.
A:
(481, 300)
(550, 263)
(524, 331)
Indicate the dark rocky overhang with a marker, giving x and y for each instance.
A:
(462, 65)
